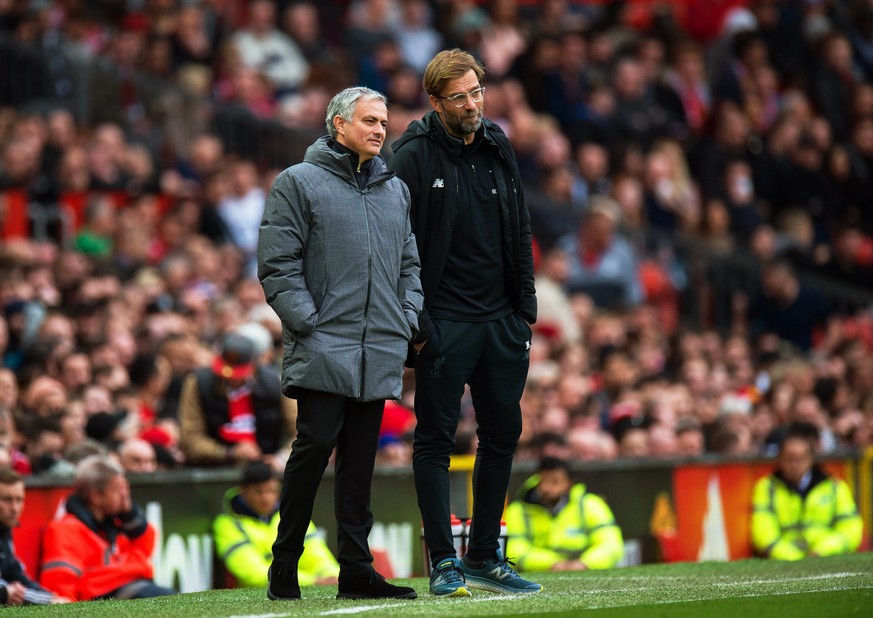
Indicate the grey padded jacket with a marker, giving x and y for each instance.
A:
(339, 266)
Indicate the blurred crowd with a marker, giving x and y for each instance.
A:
(744, 128)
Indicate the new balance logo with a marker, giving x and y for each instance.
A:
(499, 574)
(439, 183)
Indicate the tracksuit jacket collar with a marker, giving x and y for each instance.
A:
(432, 126)
(76, 507)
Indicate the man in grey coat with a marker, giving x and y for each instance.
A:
(339, 265)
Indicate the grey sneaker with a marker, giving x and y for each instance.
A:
(497, 576)
(447, 580)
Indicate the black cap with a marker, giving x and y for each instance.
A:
(101, 425)
(236, 359)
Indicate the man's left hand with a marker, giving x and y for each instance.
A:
(15, 593)
(570, 565)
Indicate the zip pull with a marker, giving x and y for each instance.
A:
(359, 167)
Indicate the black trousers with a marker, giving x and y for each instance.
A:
(493, 358)
(138, 589)
(325, 421)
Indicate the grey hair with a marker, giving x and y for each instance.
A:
(344, 103)
(95, 472)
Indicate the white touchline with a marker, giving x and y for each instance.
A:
(360, 609)
(729, 580)
(739, 596)
(333, 612)
(724, 584)
(807, 578)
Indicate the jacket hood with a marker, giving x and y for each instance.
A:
(321, 154)
(416, 128)
(76, 506)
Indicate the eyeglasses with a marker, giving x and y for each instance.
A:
(460, 100)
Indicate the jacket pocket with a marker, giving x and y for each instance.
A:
(523, 327)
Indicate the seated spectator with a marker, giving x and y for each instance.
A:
(786, 307)
(45, 397)
(801, 511)
(108, 428)
(602, 263)
(663, 442)
(302, 21)
(245, 531)
(591, 444)
(78, 452)
(261, 45)
(150, 376)
(101, 547)
(138, 456)
(556, 525)
(632, 436)
(241, 210)
(98, 227)
(394, 452)
(689, 435)
(44, 447)
(738, 192)
(233, 412)
(16, 588)
(12, 457)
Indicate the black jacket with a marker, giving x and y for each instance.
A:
(269, 428)
(426, 158)
(11, 570)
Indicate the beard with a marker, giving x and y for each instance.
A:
(462, 124)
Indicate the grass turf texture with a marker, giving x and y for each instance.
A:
(820, 587)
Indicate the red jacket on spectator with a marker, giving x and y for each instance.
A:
(84, 559)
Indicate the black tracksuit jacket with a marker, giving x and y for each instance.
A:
(426, 159)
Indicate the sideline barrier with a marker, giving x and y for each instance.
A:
(667, 510)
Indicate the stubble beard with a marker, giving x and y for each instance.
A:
(464, 125)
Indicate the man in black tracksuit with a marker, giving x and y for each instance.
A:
(16, 588)
(473, 234)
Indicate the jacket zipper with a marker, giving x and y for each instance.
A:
(367, 298)
(515, 234)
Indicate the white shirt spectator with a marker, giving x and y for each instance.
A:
(275, 55)
(263, 47)
(242, 214)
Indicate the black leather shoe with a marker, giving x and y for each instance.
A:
(282, 582)
(371, 585)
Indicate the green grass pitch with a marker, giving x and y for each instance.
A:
(819, 587)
